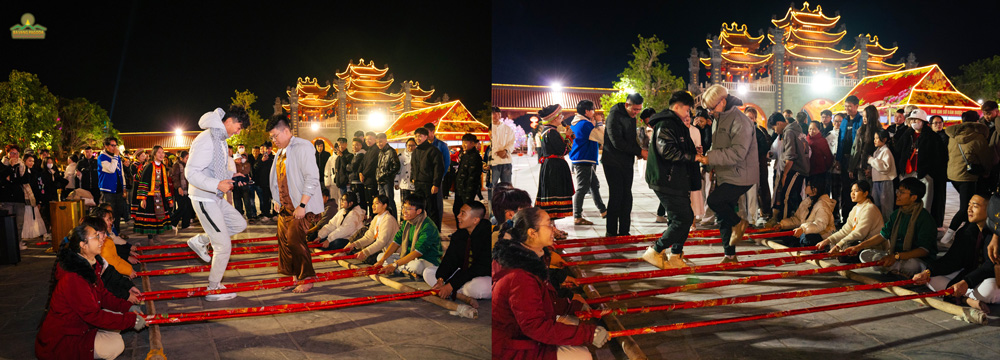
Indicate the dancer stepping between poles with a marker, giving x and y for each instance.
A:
(209, 178)
(672, 173)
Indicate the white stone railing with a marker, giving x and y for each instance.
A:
(841, 82)
(749, 87)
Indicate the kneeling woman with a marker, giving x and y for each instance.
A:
(813, 220)
(529, 320)
(83, 318)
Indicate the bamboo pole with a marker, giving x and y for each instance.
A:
(967, 314)
(155, 341)
(629, 346)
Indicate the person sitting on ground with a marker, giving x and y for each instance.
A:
(418, 241)
(864, 221)
(813, 220)
(349, 219)
(507, 201)
(966, 267)
(911, 243)
(108, 251)
(530, 320)
(330, 208)
(83, 319)
(464, 273)
(122, 247)
(379, 234)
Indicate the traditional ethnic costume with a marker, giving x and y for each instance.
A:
(555, 183)
(154, 188)
(293, 175)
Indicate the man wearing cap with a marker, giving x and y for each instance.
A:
(620, 150)
(733, 156)
(924, 159)
(502, 145)
(584, 158)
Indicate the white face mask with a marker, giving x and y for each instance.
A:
(49, 165)
(917, 124)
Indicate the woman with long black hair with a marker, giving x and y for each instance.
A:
(83, 319)
(530, 321)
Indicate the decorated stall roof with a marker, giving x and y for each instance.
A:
(451, 120)
(926, 87)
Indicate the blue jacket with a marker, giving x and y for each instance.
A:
(584, 150)
(847, 137)
(106, 181)
(441, 146)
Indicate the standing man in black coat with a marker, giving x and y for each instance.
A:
(322, 156)
(262, 178)
(620, 150)
(672, 174)
(368, 174)
(88, 169)
(426, 173)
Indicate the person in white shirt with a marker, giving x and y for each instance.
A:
(349, 219)
(379, 234)
(403, 184)
(501, 149)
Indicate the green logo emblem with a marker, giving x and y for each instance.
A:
(28, 29)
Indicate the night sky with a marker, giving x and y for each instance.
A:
(182, 59)
(588, 43)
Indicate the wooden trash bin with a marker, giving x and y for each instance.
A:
(65, 215)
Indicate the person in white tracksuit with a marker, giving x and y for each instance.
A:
(209, 178)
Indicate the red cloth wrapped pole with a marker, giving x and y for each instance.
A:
(255, 285)
(248, 264)
(720, 283)
(703, 268)
(740, 299)
(691, 234)
(160, 319)
(776, 314)
(184, 255)
(644, 238)
(184, 245)
(692, 256)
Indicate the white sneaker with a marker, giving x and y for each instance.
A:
(220, 297)
(201, 250)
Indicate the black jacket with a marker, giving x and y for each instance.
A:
(388, 165)
(426, 167)
(321, 159)
(902, 147)
(671, 163)
(89, 169)
(262, 172)
(343, 175)
(11, 180)
(620, 144)
(963, 255)
(369, 165)
(468, 178)
(52, 181)
(468, 256)
(932, 155)
(356, 166)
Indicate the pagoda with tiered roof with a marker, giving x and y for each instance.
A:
(810, 46)
(875, 64)
(314, 101)
(739, 53)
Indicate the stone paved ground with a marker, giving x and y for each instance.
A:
(407, 329)
(900, 330)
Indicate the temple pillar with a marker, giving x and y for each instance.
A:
(342, 107)
(716, 55)
(407, 97)
(694, 65)
(293, 113)
(861, 45)
(778, 70)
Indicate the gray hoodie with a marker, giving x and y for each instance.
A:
(733, 155)
(208, 163)
(793, 148)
